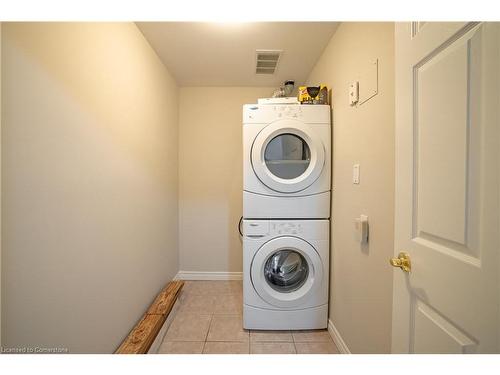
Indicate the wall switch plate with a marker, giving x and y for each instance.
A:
(361, 228)
(353, 93)
(355, 174)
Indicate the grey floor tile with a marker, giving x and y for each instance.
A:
(188, 327)
(226, 347)
(181, 347)
(272, 348)
(227, 328)
(316, 348)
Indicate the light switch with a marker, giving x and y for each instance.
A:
(353, 93)
(355, 174)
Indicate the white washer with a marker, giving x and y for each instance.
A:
(286, 161)
(285, 274)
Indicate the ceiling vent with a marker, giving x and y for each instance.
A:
(267, 61)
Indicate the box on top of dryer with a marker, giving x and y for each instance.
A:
(313, 94)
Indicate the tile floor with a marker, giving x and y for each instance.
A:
(209, 321)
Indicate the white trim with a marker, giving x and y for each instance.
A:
(337, 339)
(195, 275)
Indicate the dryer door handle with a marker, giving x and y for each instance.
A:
(255, 235)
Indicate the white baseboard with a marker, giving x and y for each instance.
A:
(337, 339)
(194, 275)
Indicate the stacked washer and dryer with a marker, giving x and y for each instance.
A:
(286, 211)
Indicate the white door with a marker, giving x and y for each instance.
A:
(288, 156)
(447, 188)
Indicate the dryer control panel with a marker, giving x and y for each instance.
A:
(290, 111)
(266, 113)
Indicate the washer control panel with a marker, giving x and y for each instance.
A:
(255, 228)
(265, 230)
(286, 228)
(273, 228)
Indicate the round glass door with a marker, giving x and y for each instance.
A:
(286, 271)
(287, 156)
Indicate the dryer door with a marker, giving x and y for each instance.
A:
(286, 272)
(288, 156)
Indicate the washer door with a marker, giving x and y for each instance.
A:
(286, 271)
(287, 156)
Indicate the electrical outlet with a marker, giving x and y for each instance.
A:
(361, 229)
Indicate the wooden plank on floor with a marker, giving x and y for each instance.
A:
(144, 333)
(166, 299)
(142, 336)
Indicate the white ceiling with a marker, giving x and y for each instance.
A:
(223, 54)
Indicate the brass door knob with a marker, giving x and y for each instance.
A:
(402, 261)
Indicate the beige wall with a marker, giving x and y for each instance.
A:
(361, 280)
(211, 176)
(89, 180)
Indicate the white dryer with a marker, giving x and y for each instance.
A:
(285, 275)
(286, 161)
